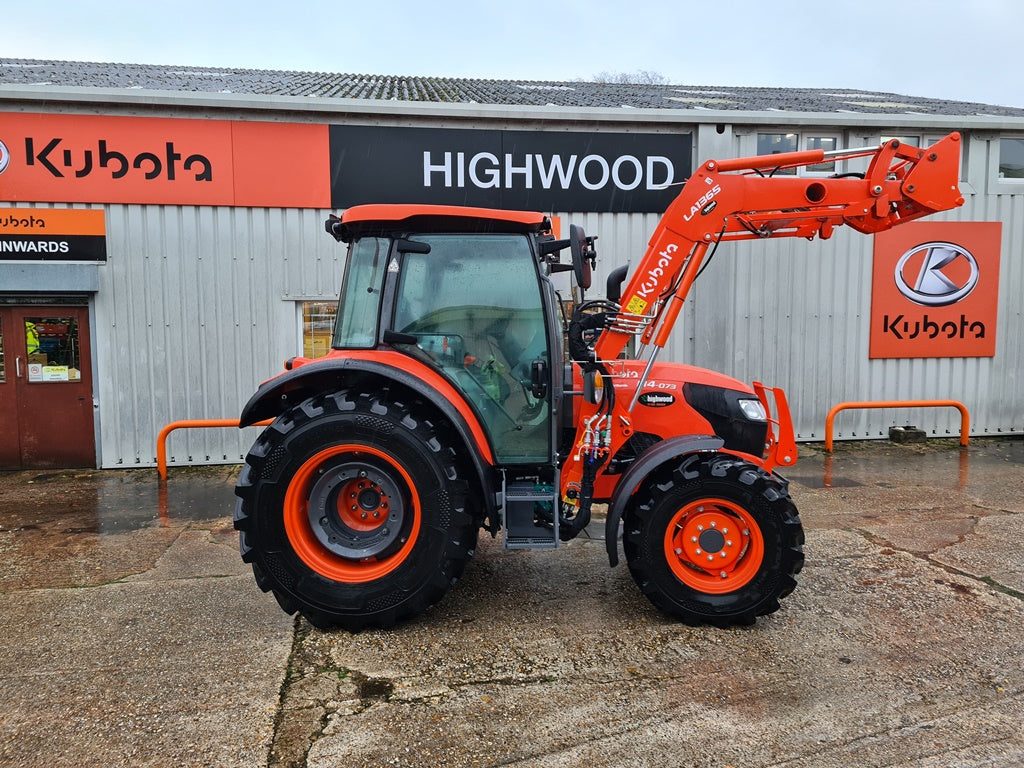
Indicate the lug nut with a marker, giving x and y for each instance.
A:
(699, 552)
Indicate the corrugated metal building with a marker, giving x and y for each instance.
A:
(207, 264)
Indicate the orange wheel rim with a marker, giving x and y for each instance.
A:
(714, 546)
(352, 514)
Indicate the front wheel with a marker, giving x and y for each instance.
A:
(351, 510)
(714, 540)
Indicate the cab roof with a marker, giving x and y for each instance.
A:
(367, 218)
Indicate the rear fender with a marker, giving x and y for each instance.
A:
(328, 374)
(654, 457)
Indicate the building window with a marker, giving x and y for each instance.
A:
(777, 143)
(53, 349)
(317, 327)
(827, 143)
(1011, 159)
(914, 141)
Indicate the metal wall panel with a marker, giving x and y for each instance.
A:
(197, 306)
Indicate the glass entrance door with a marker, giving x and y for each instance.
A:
(46, 388)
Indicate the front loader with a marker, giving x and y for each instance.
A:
(460, 395)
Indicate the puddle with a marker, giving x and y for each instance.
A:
(113, 502)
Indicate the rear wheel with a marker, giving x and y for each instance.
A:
(714, 540)
(351, 511)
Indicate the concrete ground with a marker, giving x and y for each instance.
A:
(133, 635)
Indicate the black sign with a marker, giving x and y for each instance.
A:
(53, 247)
(518, 170)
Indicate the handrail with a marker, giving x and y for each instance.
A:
(161, 440)
(965, 421)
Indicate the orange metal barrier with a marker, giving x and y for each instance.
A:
(965, 421)
(161, 440)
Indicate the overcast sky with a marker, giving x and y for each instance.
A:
(966, 51)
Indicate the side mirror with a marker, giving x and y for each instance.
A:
(583, 255)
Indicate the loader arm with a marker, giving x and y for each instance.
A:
(741, 199)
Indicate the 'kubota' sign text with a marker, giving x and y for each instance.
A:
(59, 160)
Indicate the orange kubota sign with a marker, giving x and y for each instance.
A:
(97, 159)
(935, 289)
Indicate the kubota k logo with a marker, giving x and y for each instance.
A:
(936, 274)
(5, 157)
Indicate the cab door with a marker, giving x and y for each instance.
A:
(46, 397)
(474, 304)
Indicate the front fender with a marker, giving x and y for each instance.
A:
(647, 462)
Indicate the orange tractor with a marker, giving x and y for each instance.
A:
(460, 394)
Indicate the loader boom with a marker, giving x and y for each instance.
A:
(742, 199)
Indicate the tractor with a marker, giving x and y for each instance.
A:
(462, 393)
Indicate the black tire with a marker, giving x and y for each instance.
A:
(351, 511)
(689, 560)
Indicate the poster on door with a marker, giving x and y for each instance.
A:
(935, 290)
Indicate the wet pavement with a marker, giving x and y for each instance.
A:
(133, 635)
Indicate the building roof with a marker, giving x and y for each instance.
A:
(568, 94)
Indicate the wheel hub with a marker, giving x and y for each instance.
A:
(370, 499)
(356, 511)
(711, 540)
(713, 546)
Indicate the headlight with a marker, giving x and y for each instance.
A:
(753, 410)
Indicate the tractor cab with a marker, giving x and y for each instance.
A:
(468, 296)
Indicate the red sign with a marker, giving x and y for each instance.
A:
(163, 161)
(935, 289)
